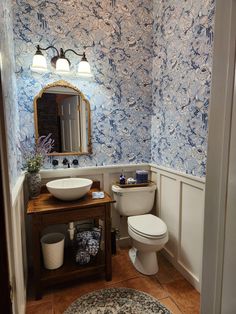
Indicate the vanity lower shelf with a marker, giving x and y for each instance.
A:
(70, 271)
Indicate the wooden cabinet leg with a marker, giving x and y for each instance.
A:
(38, 293)
(36, 257)
(108, 243)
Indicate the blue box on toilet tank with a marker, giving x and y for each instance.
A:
(141, 176)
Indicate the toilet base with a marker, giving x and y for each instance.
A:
(145, 262)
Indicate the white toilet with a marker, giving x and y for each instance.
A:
(148, 233)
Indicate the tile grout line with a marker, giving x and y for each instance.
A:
(173, 300)
(169, 297)
(162, 286)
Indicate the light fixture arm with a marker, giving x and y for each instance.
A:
(78, 54)
(44, 49)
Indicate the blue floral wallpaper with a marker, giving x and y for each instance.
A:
(182, 35)
(118, 40)
(9, 89)
(151, 62)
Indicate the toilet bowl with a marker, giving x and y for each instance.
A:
(148, 235)
(148, 232)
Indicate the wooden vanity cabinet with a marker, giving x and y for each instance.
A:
(47, 210)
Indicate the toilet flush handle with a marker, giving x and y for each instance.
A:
(118, 193)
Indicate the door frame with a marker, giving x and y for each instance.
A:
(220, 115)
(5, 282)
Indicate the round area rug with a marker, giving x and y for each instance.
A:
(116, 301)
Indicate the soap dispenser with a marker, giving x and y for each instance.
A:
(122, 178)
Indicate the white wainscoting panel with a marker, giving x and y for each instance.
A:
(18, 255)
(180, 204)
(168, 192)
(191, 229)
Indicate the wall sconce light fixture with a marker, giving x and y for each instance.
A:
(60, 62)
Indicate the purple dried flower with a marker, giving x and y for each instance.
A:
(33, 153)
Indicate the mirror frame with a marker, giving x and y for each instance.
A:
(63, 83)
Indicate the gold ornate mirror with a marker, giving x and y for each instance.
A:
(62, 110)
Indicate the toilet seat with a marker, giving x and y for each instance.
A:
(148, 226)
(148, 236)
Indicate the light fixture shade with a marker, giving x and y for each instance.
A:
(62, 65)
(39, 63)
(84, 69)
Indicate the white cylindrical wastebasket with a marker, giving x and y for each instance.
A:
(53, 250)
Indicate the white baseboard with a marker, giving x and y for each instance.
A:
(187, 275)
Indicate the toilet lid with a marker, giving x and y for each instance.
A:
(147, 225)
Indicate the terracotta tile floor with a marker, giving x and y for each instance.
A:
(168, 286)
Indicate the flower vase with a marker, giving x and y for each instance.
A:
(34, 184)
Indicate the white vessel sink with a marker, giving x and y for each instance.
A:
(69, 189)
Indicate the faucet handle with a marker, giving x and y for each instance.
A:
(75, 162)
(55, 162)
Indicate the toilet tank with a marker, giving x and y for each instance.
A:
(135, 200)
